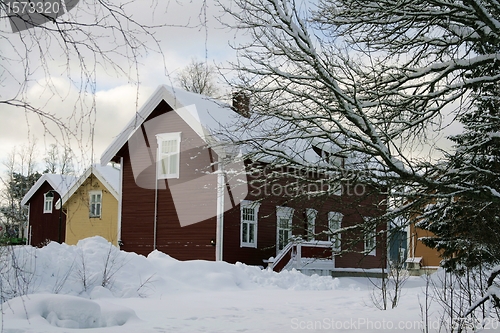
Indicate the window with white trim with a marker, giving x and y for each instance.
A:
(169, 145)
(284, 216)
(334, 224)
(311, 215)
(370, 238)
(249, 216)
(95, 203)
(48, 203)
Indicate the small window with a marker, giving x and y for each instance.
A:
(370, 238)
(95, 205)
(249, 217)
(284, 216)
(334, 224)
(168, 155)
(311, 215)
(48, 203)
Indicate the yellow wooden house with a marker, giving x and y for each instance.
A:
(91, 205)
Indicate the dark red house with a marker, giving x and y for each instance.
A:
(45, 221)
(177, 198)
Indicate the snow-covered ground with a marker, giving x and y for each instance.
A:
(64, 287)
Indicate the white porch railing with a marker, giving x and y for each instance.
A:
(292, 252)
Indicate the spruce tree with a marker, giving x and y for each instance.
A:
(467, 224)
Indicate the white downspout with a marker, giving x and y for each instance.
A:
(156, 200)
(120, 201)
(220, 211)
(28, 234)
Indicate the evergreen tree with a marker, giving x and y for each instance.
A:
(467, 226)
(14, 214)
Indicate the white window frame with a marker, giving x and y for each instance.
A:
(48, 203)
(311, 215)
(246, 225)
(370, 239)
(283, 213)
(98, 204)
(335, 223)
(161, 139)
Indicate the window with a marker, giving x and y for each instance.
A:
(48, 202)
(370, 238)
(284, 217)
(95, 203)
(311, 223)
(249, 217)
(168, 155)
(334, 224)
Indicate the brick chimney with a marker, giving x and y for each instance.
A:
(241, 103)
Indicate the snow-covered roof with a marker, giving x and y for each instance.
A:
(205, 115)
(215, 122)
(60, 183)
(219, 125)
(108, 175)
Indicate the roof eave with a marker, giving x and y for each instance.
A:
(83, 178)
(44, 178)
(161, 93)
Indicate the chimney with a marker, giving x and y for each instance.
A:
(241, 103)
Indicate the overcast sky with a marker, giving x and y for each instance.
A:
(184, 39)
(115, 97)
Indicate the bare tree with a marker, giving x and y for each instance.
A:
(20, 176)
(340, 73)
(345, 77)
(198, 77)
(57, 161)
(372, 81)
(65, 48)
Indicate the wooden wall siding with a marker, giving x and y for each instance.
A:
(162, 108)
(193, 241)
(188, 242)
(316, 252)
(266, 236)
(80, 225)
(137, 213)
(352, 207)
(44, 227)
(430, 257)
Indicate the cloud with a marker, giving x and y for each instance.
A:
(57, 87)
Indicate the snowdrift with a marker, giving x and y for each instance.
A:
(77, 286)
(69, 311)
(96, 269)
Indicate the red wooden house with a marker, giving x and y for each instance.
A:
(46, 222)
(176, 197)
